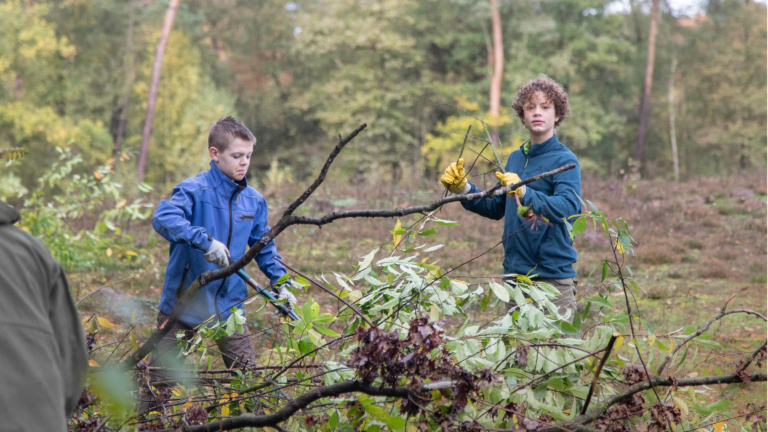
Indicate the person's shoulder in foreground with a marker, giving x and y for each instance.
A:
(42, 344)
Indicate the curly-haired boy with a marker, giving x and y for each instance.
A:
(546, 249)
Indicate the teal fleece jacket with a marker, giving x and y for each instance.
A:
(546, 251)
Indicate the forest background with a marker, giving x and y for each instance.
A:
(76, 78)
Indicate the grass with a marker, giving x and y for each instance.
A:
(693, 254)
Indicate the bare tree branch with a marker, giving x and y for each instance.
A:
(294, 405)
(496, 190)
(602, 407)
(701, 330)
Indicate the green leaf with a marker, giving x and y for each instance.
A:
(500, 291)
(599, 301)
(567, 328)
(689, 329)
(324, 318)
(395, 423)
(605, 271)
(720, 405)
(283, 279)
(709, 343)
(445, 222)
(377, 412)
(366, 262)
(579, 226)
(326, 331)
(484, 302)
(427, 232)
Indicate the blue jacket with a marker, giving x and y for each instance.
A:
(547, 251)
(202, 208)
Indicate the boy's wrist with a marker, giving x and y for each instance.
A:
(206, 243)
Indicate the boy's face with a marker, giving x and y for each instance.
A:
(233, 161)
(539, 115)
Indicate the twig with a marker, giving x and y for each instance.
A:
(751, 358)
(360, 314)
(698, 332)
(105, 286)
(601, 408)
(607, 354)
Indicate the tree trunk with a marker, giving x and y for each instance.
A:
(648, 81)
(130, 70)
(673, 139)
(498, 59)
(170, 15)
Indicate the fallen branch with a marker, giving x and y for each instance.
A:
(601, 408)
(698, 332)
(294, 405)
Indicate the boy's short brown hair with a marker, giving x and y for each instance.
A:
(225, 130)
(552, 90)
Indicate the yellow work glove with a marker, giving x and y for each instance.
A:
(455, 178)
(509, 178)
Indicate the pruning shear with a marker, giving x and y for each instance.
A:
(268, 295)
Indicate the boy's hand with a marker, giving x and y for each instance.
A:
(217, 254)
(287, 295)
(507, 179)
(455, 179)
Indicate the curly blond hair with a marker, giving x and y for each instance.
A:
(552, 91)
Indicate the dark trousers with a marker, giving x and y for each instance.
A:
(236, 350)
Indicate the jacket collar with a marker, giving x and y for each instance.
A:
(222, 184)
(537, 149)
(8, 216)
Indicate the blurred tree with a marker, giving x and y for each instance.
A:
(170, 15)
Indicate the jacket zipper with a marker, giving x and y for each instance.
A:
(229, 238)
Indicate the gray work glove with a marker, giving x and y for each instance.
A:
(217, 254)
(287, 295)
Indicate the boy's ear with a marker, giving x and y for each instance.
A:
(214, 152)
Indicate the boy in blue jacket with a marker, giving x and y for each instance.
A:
(545, 250)
(209, 218)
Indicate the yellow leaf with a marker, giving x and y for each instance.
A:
(459, 281)
(680, 404)
(85, 415)
(396, 237)
(98, 175)
(92, 363)
(109, 252)
(133, 316)
(719, 426)
(619, 342)
(176, 392)
(225, 410)
(355, 295)
(131, 253)
(651, 340)
(105, 323)
(424, 261)
(155, 412)
(134, 343)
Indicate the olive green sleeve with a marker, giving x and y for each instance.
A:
(70, 340)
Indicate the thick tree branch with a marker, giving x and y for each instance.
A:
(602, 408)
(427, 207)
(698, 332)
(267, 420)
